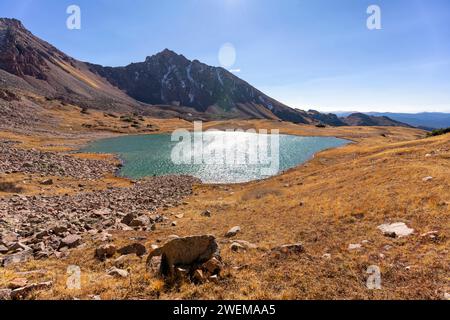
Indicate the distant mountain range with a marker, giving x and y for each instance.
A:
(164, 85)
(424, 120)
(361, 119)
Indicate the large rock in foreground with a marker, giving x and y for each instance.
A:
(187, 252)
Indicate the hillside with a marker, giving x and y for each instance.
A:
(361, 119)
(331, 205)
(171, 79)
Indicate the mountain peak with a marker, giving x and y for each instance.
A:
(165, 54)
(168, 52)
(11, 23)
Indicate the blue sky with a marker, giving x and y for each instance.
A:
(306, 53)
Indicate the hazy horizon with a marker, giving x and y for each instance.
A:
(307, 54)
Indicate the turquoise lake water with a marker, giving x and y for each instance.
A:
(227, 157)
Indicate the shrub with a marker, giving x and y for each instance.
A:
(439, 132)
(9, 187)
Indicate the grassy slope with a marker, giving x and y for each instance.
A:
(338, 198)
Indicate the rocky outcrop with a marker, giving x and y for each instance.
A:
(188, 252)
(14, 159)
(45, 226)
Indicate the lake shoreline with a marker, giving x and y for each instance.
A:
(111, 146)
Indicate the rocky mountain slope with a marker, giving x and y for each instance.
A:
(32, 65)
(171, 79)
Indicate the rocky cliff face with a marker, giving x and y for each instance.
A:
(18, 54)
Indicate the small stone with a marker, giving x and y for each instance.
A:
(172, 236)
(139, 222)
(128, 218)
(23, 292)
(181, 273)
(354, 246)
(59, 230)
(115, 272)
(5, 294)
(247, 245)
(427, 179)
(233, 232)
(71, 241)
(19, 257)
(102, 212)
(105, 251)
(286, 250)
(3, 249)
(179, 216)
(206, 213)
(198, 276)
(213, 266)
(135, 248)
(236, 247)
(18, 246)
(17, 283)
(326, 256)
(432, 235)
(46, 182)
(214, 278)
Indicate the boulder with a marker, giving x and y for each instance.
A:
(128, 218)
(140, 222)
(188, 251)
(206, 213)
(19, 257)
(396, 230)
(233, 232)
(135, 248)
